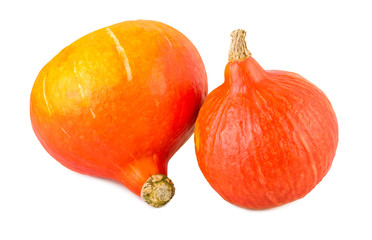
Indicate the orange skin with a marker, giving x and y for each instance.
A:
(265, 138)
(119, 102)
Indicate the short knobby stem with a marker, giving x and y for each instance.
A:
(238, 48)
(158, 190)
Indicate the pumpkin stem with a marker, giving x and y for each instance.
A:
(157, 190)
(238, 48)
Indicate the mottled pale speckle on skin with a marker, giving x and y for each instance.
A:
(65, 132)
(121, 52)
(45, 97)
(94, 115)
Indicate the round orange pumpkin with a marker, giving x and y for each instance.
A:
(119, 102)
(264, 138)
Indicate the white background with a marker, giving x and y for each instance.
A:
(328, 42)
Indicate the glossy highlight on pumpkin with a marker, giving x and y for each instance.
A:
(120, 101)
(264, 138)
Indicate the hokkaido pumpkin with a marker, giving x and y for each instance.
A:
(264, 138)
(119, 102)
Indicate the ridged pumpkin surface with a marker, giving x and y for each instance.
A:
(265, 138)
(120, 101)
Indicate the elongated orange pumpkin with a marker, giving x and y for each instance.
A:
(119, 102)
(264, 138)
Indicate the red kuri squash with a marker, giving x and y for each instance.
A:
(119, 102)
(264, 138)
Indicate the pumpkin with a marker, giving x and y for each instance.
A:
(264, 138)
(119, 102)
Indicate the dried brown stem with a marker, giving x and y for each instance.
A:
(238, 48)
(158, 190)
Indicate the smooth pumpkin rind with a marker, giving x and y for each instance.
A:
(120, 101)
